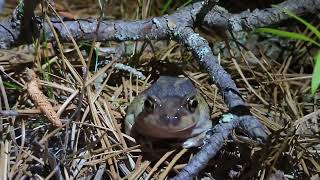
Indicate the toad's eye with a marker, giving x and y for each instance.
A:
(149, 104)
(192, 103)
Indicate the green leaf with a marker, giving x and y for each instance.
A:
(309, 26)
(11, 85)
(291, 35)
(187, 3)
(316, 75)
(169, 2)
(166, 6)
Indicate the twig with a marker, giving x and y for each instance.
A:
(206, 7)
(24, 13)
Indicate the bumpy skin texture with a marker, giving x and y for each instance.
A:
(172, 108)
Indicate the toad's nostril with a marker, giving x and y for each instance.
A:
(171, 120)
(168, 119)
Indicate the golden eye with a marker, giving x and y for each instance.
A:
(192, 104)
(149, 104)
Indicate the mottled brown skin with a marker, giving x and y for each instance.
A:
(172, 108)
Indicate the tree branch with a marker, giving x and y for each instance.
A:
(206, 7)
(248, 20)
(220, 133)
(157, 29)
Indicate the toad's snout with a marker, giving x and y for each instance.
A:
(170, 119)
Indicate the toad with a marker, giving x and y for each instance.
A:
(172, 108)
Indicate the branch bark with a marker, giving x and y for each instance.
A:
(248, 20)
(157, 29)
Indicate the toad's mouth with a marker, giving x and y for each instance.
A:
(158, 131)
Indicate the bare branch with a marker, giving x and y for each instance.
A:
(248, 20)
(220, 133)
(213, 144)
(157, 28)
(206, 7)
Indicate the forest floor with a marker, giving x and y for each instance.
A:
(273, 75)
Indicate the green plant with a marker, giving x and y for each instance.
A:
(12, 85)
(46, 73)
(315, 82)
(168, 4)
